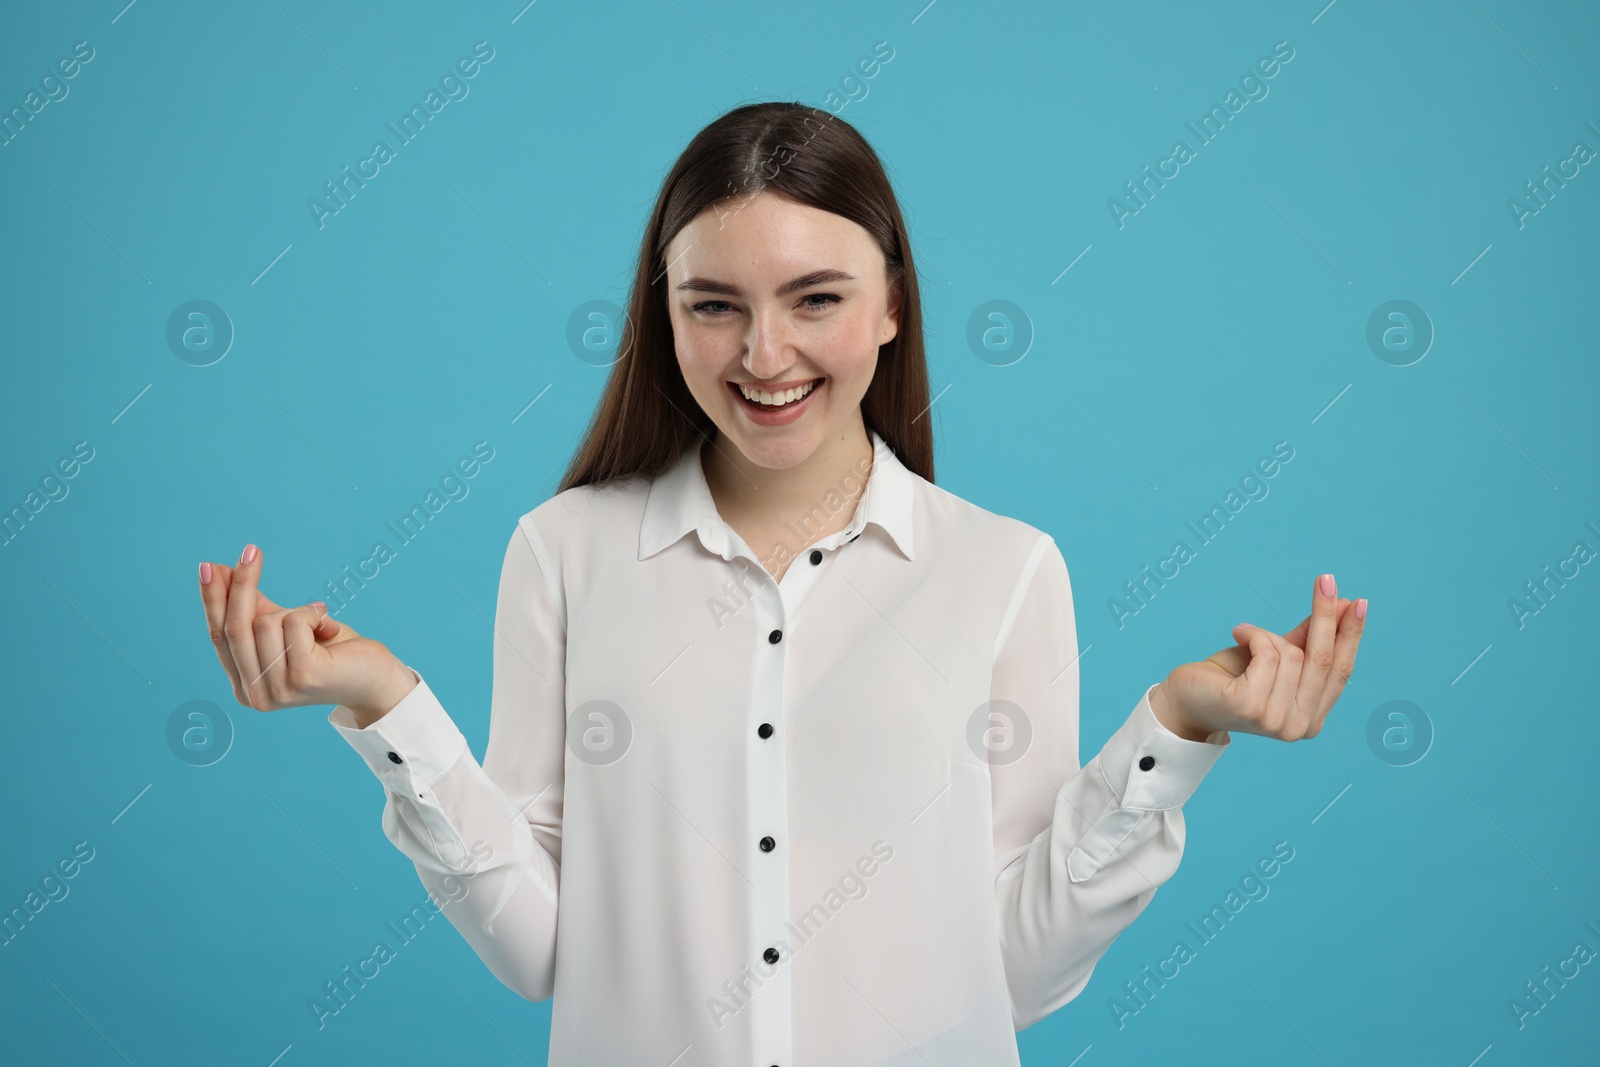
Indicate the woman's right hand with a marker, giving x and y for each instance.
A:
(288, 657)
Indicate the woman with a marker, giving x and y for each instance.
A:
(782, 763)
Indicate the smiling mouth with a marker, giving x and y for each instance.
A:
(770, 400)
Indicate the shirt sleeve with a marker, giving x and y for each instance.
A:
(1078, 853)
(486, 839)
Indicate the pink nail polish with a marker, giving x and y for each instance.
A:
(249, 555)
(1326, 582)
(205, 574)
(1361, 608)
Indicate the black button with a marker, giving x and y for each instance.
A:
(764, 730)
(771, 955)
(816, 556)
(852, 539)
(768, 844)
(394, 757)
(1146, 763)
(775, 636)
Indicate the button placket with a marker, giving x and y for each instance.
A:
(767, 786)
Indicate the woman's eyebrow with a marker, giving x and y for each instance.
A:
(805, 281)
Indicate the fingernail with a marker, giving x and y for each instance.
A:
(1326, 582)
(318, 604)
(1361, 608)
(205, 574)
(248, 555)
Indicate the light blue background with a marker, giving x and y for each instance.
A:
(1229, 314)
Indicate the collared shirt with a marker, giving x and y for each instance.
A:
(832, 821)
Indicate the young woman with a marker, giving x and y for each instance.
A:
(783, 745)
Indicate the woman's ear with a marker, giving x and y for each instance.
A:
(891, 315)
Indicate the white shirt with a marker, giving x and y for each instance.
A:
(933, 873)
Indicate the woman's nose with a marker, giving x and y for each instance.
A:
(767, 345)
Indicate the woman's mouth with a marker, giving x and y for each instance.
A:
(767, 407)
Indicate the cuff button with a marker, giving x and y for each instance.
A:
(394, 757)
(1144, 764)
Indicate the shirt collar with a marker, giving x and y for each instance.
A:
(680, 502)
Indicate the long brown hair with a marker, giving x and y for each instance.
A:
(647, 417)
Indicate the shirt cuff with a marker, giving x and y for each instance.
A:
(1149, 767)
(411, 745)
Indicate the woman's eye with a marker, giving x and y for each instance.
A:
(718, 308)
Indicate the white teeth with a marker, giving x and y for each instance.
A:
(787, 396)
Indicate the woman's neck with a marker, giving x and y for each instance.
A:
(773, 509)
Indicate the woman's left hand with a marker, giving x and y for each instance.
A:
(1280, 686)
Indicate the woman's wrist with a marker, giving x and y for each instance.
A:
(381, 701)
(1170, 717)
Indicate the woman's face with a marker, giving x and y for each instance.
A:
(771, 294)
